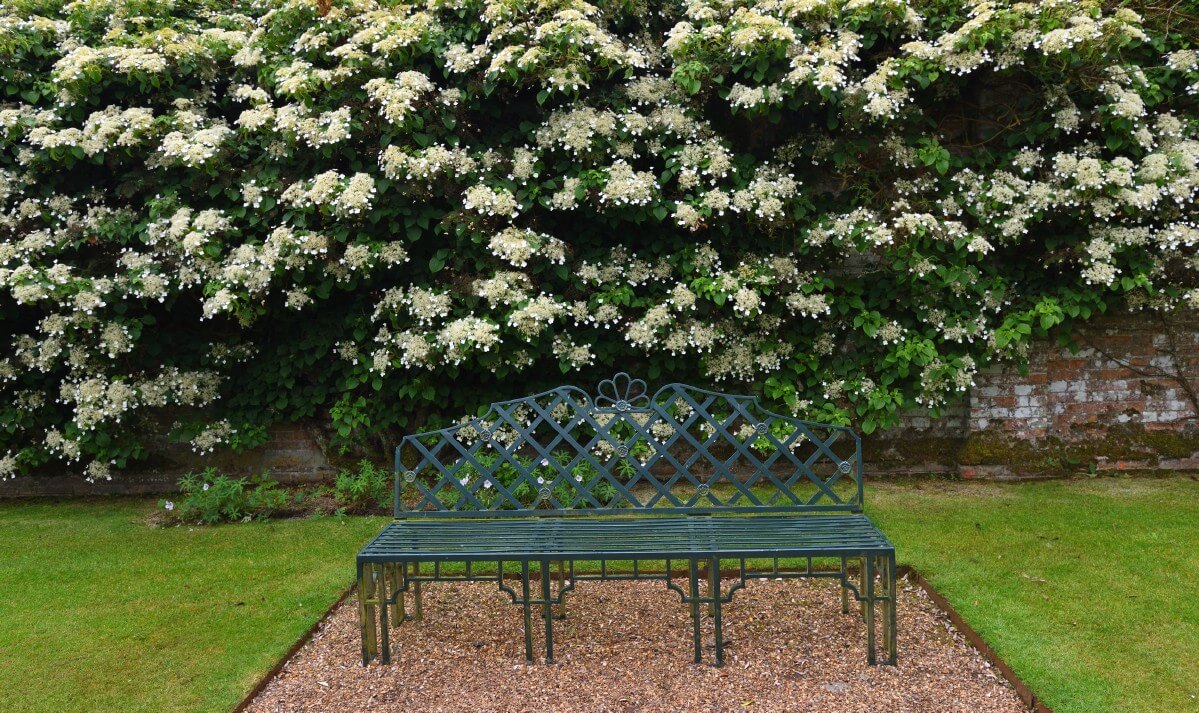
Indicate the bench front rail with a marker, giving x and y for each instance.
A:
(678, 487)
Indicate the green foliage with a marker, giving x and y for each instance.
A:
(586, 479)
(210, 497)
(382, 217)
(367, 490)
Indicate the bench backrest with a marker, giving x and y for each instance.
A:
(681, 450)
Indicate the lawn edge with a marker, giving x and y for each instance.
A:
(1009, 674)
(972, 637)
(300, 643)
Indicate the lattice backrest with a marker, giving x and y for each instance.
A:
(683, 449)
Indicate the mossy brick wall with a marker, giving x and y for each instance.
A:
(1122, 397)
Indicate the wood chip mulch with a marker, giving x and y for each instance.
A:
(627, 646)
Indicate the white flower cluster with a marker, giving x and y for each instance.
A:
(398, 97)
(344, 196)
(444, 186)
(517, 247)
(195, 148)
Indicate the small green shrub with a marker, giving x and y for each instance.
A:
(211, 497)
(367, 490)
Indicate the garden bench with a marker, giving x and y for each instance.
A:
(672, 486)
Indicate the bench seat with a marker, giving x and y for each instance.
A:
(613, 538)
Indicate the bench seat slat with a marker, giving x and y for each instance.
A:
(612, 538)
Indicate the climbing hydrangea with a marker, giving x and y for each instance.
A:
(377, 214)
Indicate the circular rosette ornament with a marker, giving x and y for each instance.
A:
(622, 393)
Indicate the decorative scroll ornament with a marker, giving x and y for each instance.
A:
(622, 393)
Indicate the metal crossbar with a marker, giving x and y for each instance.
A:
(684, 448)
(564, 477)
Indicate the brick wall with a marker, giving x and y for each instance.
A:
(1125, 400)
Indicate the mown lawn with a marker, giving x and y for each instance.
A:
(1089, 588)
(101, 612)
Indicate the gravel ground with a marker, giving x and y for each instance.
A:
(627, 646)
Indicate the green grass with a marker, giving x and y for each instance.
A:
(1089, 588)
(102, 612)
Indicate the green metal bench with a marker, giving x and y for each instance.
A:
(687, 479)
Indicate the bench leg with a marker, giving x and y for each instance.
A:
(528, 612)
(562, 589)
(887, 570)
(862, 586)
(713, 583)
(395, 580)
(868, 603)
(694, 573)
(384, 629)
(418, 612)
(366, 612)
(717, 622)
(547, 611)
(844, 589)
